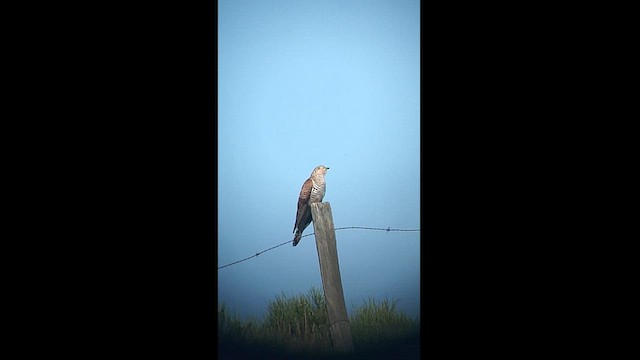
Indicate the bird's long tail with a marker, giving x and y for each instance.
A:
(296, 238)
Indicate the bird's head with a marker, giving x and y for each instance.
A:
(320, 170)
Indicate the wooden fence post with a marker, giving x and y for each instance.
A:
(339, 324)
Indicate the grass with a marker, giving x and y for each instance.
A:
(379, 326)
(296, 327)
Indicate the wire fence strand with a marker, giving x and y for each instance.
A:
(388, 229)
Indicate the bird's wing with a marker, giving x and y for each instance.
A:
(303, 201)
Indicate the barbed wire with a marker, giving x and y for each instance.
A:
(388, 229)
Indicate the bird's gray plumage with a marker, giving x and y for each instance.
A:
(312, 191)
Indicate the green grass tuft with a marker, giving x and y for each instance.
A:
(381, 326)
(297, 327)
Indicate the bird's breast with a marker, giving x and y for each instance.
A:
(317, 192)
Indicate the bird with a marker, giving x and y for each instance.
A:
(312, 191)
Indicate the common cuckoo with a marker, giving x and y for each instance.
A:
(312, 192)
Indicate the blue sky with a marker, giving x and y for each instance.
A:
(305, 83)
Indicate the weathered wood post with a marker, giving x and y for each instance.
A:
(339, 325)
